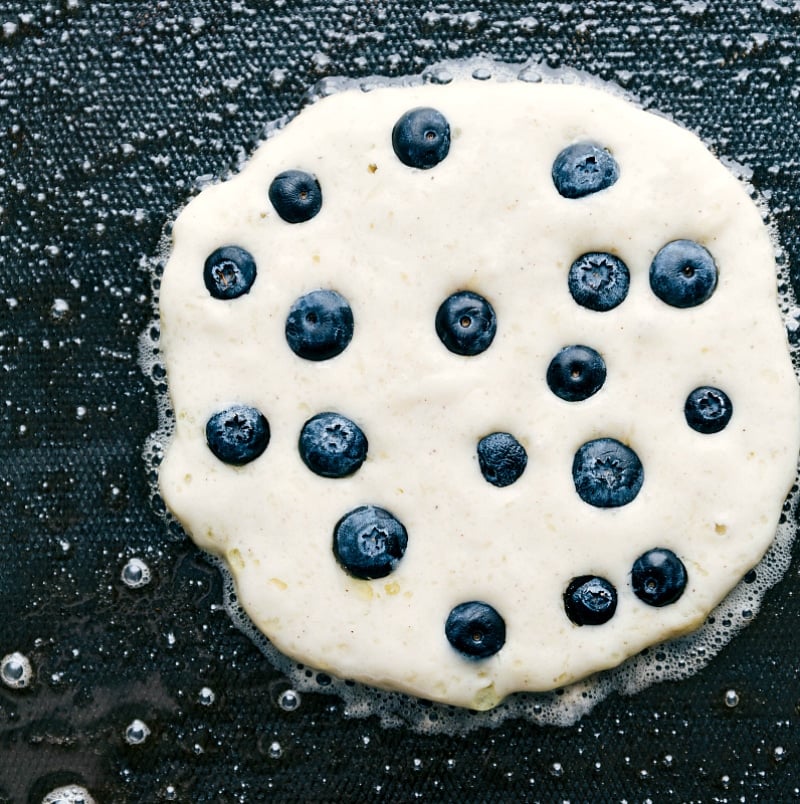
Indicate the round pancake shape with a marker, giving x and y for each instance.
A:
(485, 224)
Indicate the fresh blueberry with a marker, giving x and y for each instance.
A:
(320, 325)
(296, 196)
(502, 458)
(599, 281)
(708, 410)
(369, 542)
(576, 373)
(683, 274)
(421, 138)
(658, 577)
(475, 629)
(590, 600)
(607, 474)
(332, 445)
(229, 272)
(466, 323)
(582, 169)
(238, 434)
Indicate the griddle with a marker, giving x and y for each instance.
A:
(112, 115)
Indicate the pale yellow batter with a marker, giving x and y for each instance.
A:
(396, 241)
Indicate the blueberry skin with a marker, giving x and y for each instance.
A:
(295, 195)
(607, 474)
(582, 169)
(475, 629)
(319, 325)
(599, 281)
(708, 410)
(369, 542)
(658, 577)
(229, 272)
(238, 434)
(332, 445)
(683, 274)
(576, 373)
(421, 138)
(502, 459)
(589, 600)
(466, 323)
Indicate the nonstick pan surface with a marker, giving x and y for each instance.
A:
(111, 116)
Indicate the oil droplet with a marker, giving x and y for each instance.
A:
(135, 573)
(557, 770)
(289, 700)
(275, 750)
(779, 753)
(206, 696)
(16, 671)
(731, 698)
(69, 794)
(137, 732)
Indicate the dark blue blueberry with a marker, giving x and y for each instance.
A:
(582, 169)
(590, 600)
(229, 272)
(475, 629)
(238, 434)
(502, 458)
(683, 274)
(466, 323)
(599, 281)
(607, 474)
(296, 195)
(332, 445)
(658, 577)
(320, 325)
(708, 410)
(576, 373)
(421, 138)
(369, 542)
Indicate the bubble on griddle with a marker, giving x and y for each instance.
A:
(136, 732)
(289, 700)
(135, 574)
(69, 794)
(674, 660)
(16, 671)
(731, 699)
(206, 696)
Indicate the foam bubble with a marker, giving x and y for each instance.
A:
(135, 573)
(69, 794)
(16, 671)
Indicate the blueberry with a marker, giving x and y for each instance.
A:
(590, 600)
(599, 281)
(296, 195)
(466, 323)
(475, 629)
(320, 325)
(238, 434)
(607, 474)
(369, 542)
(229, 272)
(576, 373)
(708, 410)
(582, 169)
(502, 458)
(421, 138)
(332, 445)
(658, 577)
(683, 274)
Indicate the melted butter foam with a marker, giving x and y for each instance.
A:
(670, 660)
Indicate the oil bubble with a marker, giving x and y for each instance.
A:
(69, 794)
(136, 732)
(206, 696)
(275, 750)
(135, 573)
(16, 671)
(731, 699)
(289, 700)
